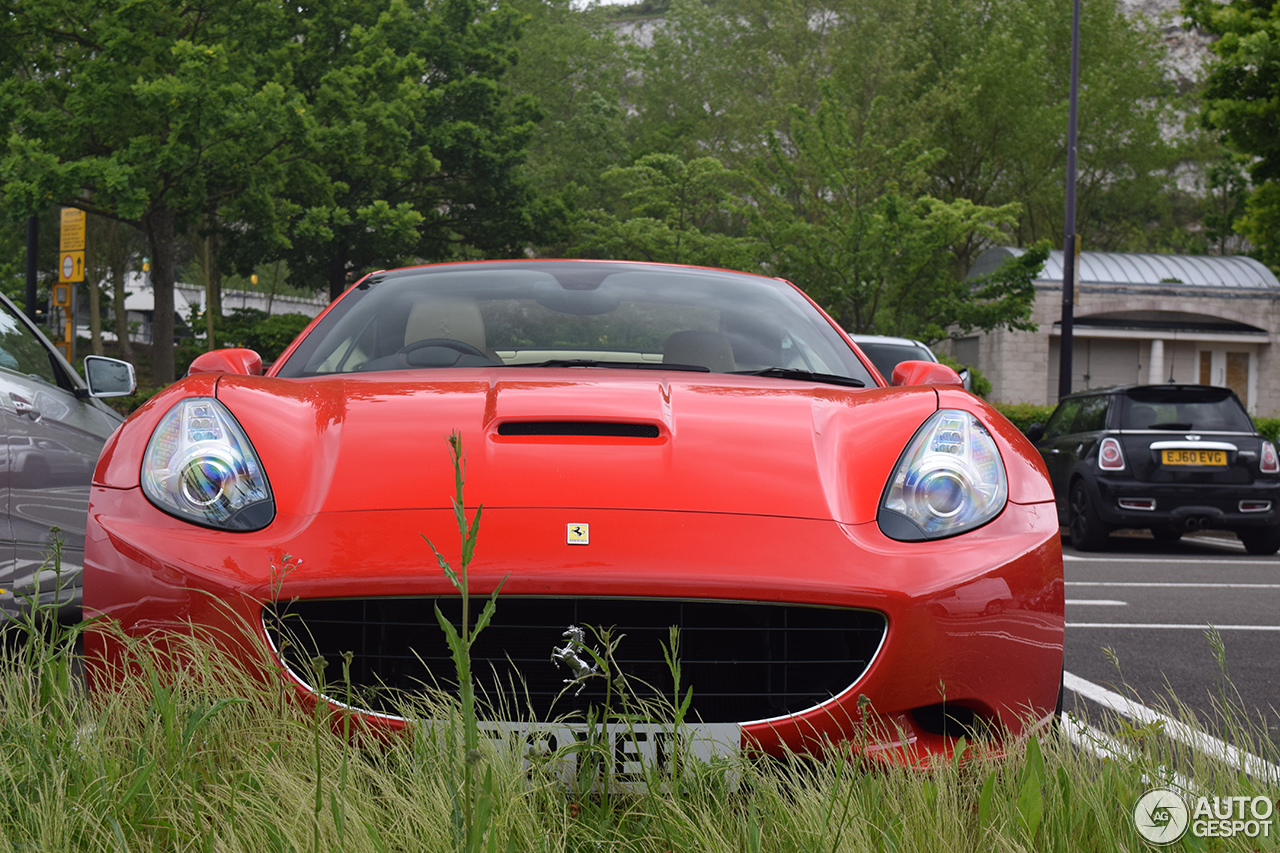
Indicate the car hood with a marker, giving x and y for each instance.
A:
(730, 444)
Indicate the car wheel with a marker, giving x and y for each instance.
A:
(1260, 540)
(1088, 533)
(1166, 534)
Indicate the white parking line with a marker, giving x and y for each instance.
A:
(1168, 561)
(1101, 602)
(1102, 745)
(1175, 585)
(1159, 626)
(1179, 731)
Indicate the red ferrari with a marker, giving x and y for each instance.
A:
(846, 561)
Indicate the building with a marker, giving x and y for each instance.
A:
(1140, 318)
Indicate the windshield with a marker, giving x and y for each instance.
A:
(559, 314)
(1201, 409)
(886, 356)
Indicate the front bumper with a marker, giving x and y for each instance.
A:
(974, 623)
(1177, 505)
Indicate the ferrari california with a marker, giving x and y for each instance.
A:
(845, 560)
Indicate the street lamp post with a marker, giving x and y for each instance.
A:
(1071, 240)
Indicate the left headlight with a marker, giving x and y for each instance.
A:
(200, 466)
(949, 479)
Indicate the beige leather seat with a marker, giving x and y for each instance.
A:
(455, 319)
(711, 350)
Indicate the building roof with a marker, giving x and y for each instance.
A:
(1235, 272)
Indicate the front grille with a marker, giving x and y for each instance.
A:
(606, 429)
(744, 661)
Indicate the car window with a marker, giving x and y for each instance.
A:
(518, 314)
(1060, 421)
(1181, 408)
(1092, 414)
(21, 351)
(887, 356)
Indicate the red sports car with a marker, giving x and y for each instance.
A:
(653, 446)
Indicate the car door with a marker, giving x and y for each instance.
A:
(1055, 445)
(53, 435)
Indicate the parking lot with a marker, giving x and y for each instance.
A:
(1138, 617)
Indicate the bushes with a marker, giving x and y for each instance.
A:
(1024, 415)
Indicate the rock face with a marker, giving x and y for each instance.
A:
(1188, 49)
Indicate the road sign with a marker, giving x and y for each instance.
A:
(72, 237)
(71, 266)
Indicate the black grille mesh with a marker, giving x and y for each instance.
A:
(609, 429)
(745, 661)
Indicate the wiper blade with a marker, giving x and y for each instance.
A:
(627, 365)
(806, 375)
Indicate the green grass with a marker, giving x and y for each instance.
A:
(201, 758)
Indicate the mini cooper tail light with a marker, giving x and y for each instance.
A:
(200, 467)
(950, 479)
(1110, 456)
(1270, 462)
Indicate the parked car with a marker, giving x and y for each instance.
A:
(887, 352)
(654, 446)
(53, 427)
(1168, 458)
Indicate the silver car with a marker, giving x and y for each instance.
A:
(53, 429)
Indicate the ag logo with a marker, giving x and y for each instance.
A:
(579, 534)
(1161, 816)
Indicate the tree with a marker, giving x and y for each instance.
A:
(675, 212)
(410, 147)
(149, 113)
(1241, 101)
(850, 220)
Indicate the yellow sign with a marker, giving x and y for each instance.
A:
(71, 266)
(72, 231)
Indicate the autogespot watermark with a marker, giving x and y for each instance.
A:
(1162, 816)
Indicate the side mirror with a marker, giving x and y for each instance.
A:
(109, 377)
(1035, 432)
(924, 373)
(240, 361)
(966, 378)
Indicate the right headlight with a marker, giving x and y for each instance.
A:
(949, 479)
(200, 466)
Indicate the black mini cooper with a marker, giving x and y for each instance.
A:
(1170, 458)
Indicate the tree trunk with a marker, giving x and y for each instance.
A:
(212, 287)
(337, 277)
(159, 226)
(119, 315)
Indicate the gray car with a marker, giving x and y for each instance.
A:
(53, 429)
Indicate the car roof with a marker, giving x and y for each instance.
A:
(888, 339)
(1125, 389)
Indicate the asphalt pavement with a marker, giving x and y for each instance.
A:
(1139, 616)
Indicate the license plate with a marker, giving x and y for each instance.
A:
(1194, 457)
(637, 752)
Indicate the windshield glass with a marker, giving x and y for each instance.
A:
(553, 313)
(1174, 408)
(886, 356)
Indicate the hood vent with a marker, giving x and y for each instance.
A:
(608, 429)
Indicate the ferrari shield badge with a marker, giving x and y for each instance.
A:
(579, 534)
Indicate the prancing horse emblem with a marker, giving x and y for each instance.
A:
(571, 655)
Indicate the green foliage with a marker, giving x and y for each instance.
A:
(1241, 101)
(676, 212)
(851, 220)
(1023, 415)
(266, 334)
(1269, 427)
(978, 382)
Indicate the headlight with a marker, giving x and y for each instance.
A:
(200, 466)
(949, 479)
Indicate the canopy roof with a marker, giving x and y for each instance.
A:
(1235, 272)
